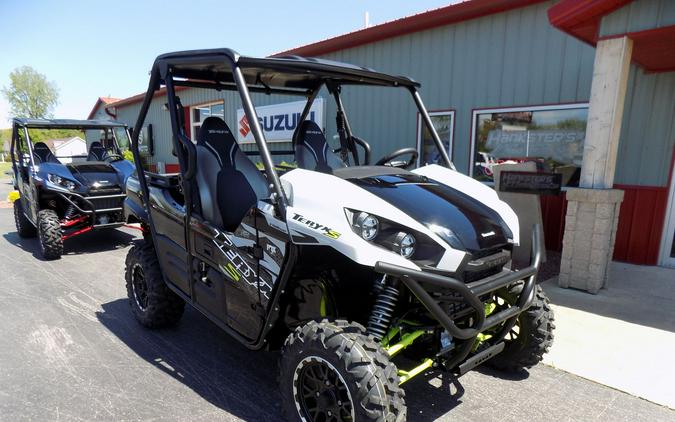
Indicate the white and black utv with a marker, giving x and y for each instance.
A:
(56, 200)
(353, 270)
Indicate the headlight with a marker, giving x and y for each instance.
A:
(395, 237)
(61, 181)
(367, 225)
(405, 243)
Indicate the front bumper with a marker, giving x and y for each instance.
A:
(472, 292)
(108, 204)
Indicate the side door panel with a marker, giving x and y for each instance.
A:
(225, 281)
(168, 218)
(24, 168)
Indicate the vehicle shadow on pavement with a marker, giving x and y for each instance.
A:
(201, 356)
(93, 242)
(204, 358)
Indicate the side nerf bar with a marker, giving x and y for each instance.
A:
(471, 292)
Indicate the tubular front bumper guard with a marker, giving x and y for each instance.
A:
(92, 209)
(471, 292)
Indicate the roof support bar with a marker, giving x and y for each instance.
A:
(434, 135)
(275, 184)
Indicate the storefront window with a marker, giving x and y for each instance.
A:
(551, 136)
(444, 122)
(201, 112)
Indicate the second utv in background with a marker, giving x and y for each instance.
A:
(57, 200)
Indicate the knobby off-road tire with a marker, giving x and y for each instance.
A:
(49, 234)
(356, 366)
(153, 304)
(23, 225)
(535, 333)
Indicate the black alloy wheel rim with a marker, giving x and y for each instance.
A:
(139, 287)
(321, 394)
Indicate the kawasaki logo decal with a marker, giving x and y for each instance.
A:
(316, 226)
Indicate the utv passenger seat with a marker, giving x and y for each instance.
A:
(96, 152)
(42, 154)
(229, 183)
(312, 151)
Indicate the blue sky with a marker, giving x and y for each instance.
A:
(99, 48)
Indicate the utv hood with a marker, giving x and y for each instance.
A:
(94, 174)
(435, 205)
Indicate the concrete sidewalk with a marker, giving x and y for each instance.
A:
(623, 337)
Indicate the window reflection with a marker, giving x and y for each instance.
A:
(551, 137)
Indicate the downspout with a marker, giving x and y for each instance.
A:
(109, 113)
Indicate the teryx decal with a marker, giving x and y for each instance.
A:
(316, 226)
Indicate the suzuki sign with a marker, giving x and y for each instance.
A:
(279, 121)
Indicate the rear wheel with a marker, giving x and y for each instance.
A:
(332, 371)
(531, 337)
(23, 225)
(49, 233)
(153, 304)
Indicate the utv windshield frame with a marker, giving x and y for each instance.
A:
(225, 69)
(25, 124)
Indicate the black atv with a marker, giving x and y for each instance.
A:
(363, 275)
(57, 198)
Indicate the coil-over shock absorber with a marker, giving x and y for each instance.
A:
(383, 309)
(70, 211)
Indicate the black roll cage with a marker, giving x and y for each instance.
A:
(223, 69)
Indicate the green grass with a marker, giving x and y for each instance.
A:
(3, 168)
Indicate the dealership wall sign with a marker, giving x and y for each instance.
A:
(530, 182)
(278, 121)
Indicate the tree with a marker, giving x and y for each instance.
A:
(30, 94)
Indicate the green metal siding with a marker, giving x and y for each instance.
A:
(648, 129)
(508, 59)
(639, 15)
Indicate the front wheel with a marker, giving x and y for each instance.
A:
(332, 371)
(153, 304)
(49, 234)
(23, 225)
(531, 337)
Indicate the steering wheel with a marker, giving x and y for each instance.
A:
(388, 160)
(113, 157)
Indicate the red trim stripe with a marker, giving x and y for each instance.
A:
(447, 15)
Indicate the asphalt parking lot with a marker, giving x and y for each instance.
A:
(71, 350)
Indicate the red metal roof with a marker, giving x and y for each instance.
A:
(581, 18)
(653, 49)
(101, 100)
(426, 20)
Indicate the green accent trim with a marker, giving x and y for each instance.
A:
(406, 340)
(322, 306)
(393, 331)
(404, 376)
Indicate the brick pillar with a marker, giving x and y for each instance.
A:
(593, 208)
(590, 232)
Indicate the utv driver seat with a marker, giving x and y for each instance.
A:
(96, 152)
(42, 154)
(312, 151)
(229, 183)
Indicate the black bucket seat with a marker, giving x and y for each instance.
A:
(312, 151)
(229, 183)
(42, 154)
(96, 152)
